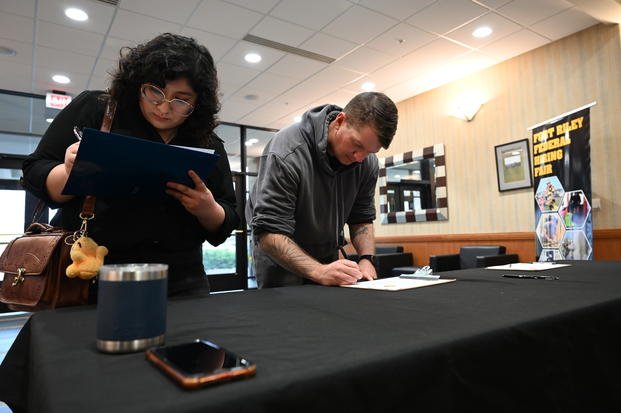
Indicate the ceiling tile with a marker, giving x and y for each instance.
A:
(328, 45)
(326, 81)
(340, 98)
(235, 108)
(429, 57)
(23, 56)
(267, 113)
(446, 15)
(217, 45)
(527, 12)
(501, 28)
(494, 4)
(364, 60)
(401, 40)
(112, 47)
(63, 61)
(398, 9)
(564, 24)
(99, 83)
(251, 98)
(514, 44)
(20, 79)
(356, 86)
(23, 8)
(140, 28)
(262, 6)
(281, 31)
(104, 67)
(312, 14)
(70, 39)
(178, 11)
(347, 25)
(236, 55)
(16, 27)
(225, 19)
(272, 83)
(99, 14)
(296, 67)
(44, 82)
(234, 75)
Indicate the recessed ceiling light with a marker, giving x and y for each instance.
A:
(251, 141)
(76, 14)
(49, 120)
(482, 31)
(297, 118)
(253, 58)
(368, 86)
(62, 79)
(7, 51)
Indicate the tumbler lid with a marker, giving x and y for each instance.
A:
(133, 272)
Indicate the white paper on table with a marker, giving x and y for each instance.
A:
(397, 283)
(528, 266)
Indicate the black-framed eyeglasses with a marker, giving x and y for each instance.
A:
(156, 96)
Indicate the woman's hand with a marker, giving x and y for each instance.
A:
(70, 154)
(198, 201)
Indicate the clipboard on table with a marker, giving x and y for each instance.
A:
(118, 166)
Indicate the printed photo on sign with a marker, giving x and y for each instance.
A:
(549, 194)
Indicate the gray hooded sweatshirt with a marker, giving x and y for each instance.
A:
(301, 193)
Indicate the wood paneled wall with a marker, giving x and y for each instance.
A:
(607, 244)
(521, 92)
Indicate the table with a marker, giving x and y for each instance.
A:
(483, 342)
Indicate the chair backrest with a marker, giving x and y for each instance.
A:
(388, 249)
(468, 254)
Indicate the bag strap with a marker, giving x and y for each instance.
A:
(88, 206)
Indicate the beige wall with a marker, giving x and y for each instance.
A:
(521, 92)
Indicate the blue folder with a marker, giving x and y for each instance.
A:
(119, 166)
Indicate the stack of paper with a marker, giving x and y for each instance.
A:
(396, 284)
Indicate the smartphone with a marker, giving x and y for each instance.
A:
(200, 363)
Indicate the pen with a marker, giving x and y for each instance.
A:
(77, 133)
(532, 277)
(343, 252)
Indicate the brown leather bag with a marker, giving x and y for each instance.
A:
(34, 271)
(35, 263)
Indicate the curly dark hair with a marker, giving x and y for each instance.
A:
(170, 57)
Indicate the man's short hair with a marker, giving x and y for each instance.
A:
(374, 109)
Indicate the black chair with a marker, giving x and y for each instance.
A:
(388, 257)
(472, 256)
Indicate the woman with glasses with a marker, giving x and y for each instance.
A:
(165, 91)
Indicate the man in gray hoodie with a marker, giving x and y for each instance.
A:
(315, 176)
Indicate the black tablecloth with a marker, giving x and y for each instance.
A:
(482, 343)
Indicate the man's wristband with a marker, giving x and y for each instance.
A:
(368, 257)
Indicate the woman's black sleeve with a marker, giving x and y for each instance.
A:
(85, 110)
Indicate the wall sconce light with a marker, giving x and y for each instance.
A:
(467, 105)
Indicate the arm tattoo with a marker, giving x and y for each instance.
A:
(360, 231)
(288, 254)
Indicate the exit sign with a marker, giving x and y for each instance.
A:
(56, 101)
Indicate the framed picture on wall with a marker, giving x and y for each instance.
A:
(513, 165)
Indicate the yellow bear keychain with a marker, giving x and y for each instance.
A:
(87, 257)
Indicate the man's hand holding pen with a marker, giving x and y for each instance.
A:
(366, 267)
